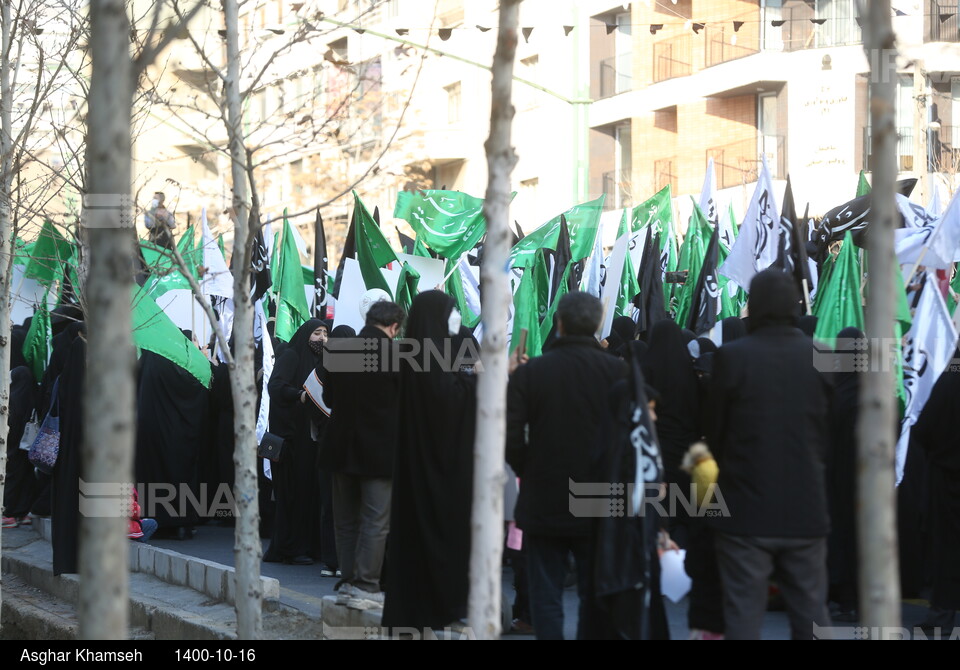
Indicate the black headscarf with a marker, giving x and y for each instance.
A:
(773, 300)
(625, 327)
(688, 335)
(732, 328)
(343, 331)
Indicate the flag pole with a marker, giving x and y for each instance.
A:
(443, 282)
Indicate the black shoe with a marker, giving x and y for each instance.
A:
(299, 560)
(327, 571)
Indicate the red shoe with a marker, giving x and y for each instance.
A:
(9, 522)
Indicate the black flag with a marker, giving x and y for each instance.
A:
(852, 216)
(260, 275)
(408, 244)
(650, 277)
(561, 259)
(703, 310)
(349, 251)
(320, 269)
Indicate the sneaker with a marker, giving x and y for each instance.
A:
(9, 522)
(366, 600)
(327, 571)
(346, 593)
(26, 521)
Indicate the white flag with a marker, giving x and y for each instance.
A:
(593, 272)
(929, 345)
(935, 208)
(470, 285)
(263, 418)
(711, 208)
(611, 287)
(757, 245)
(218, 279)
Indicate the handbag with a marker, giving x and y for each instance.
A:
(271, 447)
(30, 432)
(46, 446)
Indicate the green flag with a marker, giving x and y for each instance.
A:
(583, 223)
(692, 253)
(656, 211)
(292, 308)
(629, 284)
(449, 222)
(373, 251)
(36, 345)
(154, 331)
(454, 287)
(420, 249)
(526, 314)
(50, 251)
(163, 266)
(863, 186)
(838, 304)
(22, 252)
(407, 286)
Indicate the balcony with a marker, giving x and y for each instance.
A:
(904, 149)
(665, 173)
(616, 75)
(672, 58)
(723, 44)
(616, 189)
(943, 145)
(739, 163)
(941, 22)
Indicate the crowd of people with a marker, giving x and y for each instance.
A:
(375, 476)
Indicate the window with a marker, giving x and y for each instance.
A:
(767, 131)
(624, 46)
(453, 102)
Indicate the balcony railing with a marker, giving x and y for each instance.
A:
(672, 58)
(724, 44)
(943, 145)
(665, 173)
(941, 23)
(616, 189)
(905, 162)
(739, 162)
(616, 75)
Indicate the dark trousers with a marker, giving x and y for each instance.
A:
(546, 572)
(361, 513)
(798, 565)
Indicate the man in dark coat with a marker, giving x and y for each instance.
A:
(363, 393)
(769, 435)
(935, 435)
(559, 400)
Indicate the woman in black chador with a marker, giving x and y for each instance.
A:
(172, 415)
(297, 521)
(428, 553)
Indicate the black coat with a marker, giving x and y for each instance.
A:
(562, 396)
(769, 435)
(935, 434)
(361, 436)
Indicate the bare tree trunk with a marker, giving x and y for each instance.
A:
(6, 241)
(109, 392)
(876, 498)
(247, 548)
(486, 549)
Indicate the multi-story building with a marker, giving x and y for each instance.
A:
(682, 81)
(611, 98)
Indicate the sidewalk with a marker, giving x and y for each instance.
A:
(183, 590)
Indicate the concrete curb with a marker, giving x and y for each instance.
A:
(215, 580)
